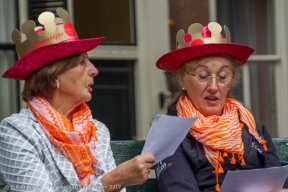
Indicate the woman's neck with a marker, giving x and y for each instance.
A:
(63, 105)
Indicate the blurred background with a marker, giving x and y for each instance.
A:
(129, 90)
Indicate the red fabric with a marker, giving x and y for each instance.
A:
(207, 33)
(172, 60)
(42, 56)
(187, 38)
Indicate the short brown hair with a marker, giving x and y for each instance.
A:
(43, 80)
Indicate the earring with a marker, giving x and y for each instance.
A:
(183, 88)
(57, 85)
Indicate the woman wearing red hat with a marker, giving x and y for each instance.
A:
(54, 144)
(225, 136)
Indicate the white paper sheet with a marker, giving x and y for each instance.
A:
(255, 180)
(165, 135)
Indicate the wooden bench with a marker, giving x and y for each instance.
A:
(127, 149)
(281, 145)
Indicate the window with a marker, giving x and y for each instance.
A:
(113, 97)
(251, 23)
(113, 19)
(36, 7)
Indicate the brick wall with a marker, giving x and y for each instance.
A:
(185, 12)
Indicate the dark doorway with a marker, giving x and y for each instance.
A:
(113, 97)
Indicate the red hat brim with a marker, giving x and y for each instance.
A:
(172, 60)
(42, 56)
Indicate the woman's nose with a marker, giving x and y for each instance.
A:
(93, 71)
(212, 84)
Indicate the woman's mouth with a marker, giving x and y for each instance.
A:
(211, 99)
(90, 87)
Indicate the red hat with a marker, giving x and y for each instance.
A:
(44, 45)
(203, 41)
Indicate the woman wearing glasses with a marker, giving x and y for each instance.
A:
(225, 135)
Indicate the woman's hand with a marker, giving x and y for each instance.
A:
(284, 190)
(131, 172)
(136, 170)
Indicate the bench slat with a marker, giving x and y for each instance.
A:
(281, 145)
(125, 150)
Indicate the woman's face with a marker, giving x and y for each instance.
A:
(208, 97)
(76, 83)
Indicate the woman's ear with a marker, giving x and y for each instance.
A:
(57, 83)
(57, 79)
(182, 83)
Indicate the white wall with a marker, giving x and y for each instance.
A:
(152, 28)
(8, 86)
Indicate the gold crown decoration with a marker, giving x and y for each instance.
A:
(55, 30)
(195, 31)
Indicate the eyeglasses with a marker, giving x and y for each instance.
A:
(206, 78)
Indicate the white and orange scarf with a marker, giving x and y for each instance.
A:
(76, 139)
(220, 134)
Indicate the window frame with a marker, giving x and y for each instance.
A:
(280, 58)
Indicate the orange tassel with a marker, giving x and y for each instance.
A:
(243, 162)
(240, 156)
(217, 171)
(233, 160)
(89, 180)
(265, 147)
(220, 159)
(82, 184)
(225, 154)
(217, 187)
(220, 170)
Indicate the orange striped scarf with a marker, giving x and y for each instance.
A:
(220, 134)
(76, 139)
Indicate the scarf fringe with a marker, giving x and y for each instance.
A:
(217, 187)
(233, 160)
(217, 172)
(220, 159)
(208, 130)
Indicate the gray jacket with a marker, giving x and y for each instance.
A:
(30, 162)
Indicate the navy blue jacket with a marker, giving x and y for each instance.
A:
(189, 169)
